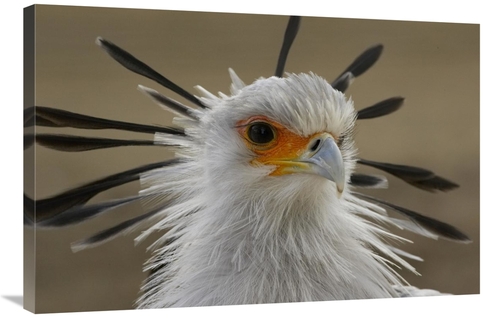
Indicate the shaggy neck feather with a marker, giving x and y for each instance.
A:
(268, 250)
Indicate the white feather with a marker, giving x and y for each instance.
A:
(236, 83)
(238, 236)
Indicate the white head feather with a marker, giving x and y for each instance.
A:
(237, 235)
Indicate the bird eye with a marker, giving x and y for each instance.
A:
(260, 133)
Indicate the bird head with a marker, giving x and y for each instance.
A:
(292, 130)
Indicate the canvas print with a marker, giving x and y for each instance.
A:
(179, 159)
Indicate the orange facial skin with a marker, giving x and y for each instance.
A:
(281, 151)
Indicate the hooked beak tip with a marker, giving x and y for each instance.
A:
(340, 188)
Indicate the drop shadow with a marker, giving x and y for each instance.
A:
(16, 299)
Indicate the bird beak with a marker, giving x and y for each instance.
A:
(326, 161)
(322, 157)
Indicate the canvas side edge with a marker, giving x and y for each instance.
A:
(29, 271)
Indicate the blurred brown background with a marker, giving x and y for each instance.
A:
(434, 65)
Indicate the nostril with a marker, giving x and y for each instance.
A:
(315, 145)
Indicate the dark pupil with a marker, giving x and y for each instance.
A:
(260, 133)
